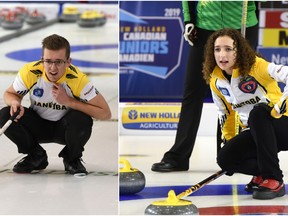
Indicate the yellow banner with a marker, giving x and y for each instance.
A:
(151, 117)
(275, 37)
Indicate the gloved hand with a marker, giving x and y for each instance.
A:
(280, 108)
(275, 114)
(190, 33)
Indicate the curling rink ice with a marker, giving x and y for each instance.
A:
(223, 196)
(52, 191)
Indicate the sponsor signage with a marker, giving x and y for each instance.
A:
(151, 117)
(152, 52)
(275, 37)
(275, 55)
(274, 19)
(147, 44)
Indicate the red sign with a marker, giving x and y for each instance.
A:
(276, 19)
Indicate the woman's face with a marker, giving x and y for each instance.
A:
(225, 54)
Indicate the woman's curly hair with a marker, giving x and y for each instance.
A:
(245, 55)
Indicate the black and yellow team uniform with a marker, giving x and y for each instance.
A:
(254, 151)
(47, 121)
(207, 17)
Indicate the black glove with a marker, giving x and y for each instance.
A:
(229, 173)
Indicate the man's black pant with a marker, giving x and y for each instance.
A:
(73, 130)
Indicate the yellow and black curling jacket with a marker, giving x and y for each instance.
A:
(32, 78)
(235, 99)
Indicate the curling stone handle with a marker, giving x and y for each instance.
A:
(125, 163)
(127, 166)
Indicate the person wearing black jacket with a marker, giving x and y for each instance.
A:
(201, 19)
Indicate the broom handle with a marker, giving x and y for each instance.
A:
(201, 184)
(244, 17)
(9, 122)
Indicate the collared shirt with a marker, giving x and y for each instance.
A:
(241, 94)
(31, 78)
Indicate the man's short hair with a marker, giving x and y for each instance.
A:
(56, 42)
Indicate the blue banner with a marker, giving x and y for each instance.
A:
(276, 55)
(153, 52)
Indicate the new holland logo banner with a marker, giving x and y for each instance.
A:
(151, 117)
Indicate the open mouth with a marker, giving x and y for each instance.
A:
(53, 74)
(224, 63)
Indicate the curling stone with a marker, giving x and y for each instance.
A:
(21, 12)
(11, 22)
(131, 179)
(172, 206)
(91, 19)
(70, 14)
(35, 18)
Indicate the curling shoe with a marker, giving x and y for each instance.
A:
(167, 167)
(269, 189)
(33, 161)
(254, 183)
(74, 166)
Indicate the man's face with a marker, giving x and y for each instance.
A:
(55, 63)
